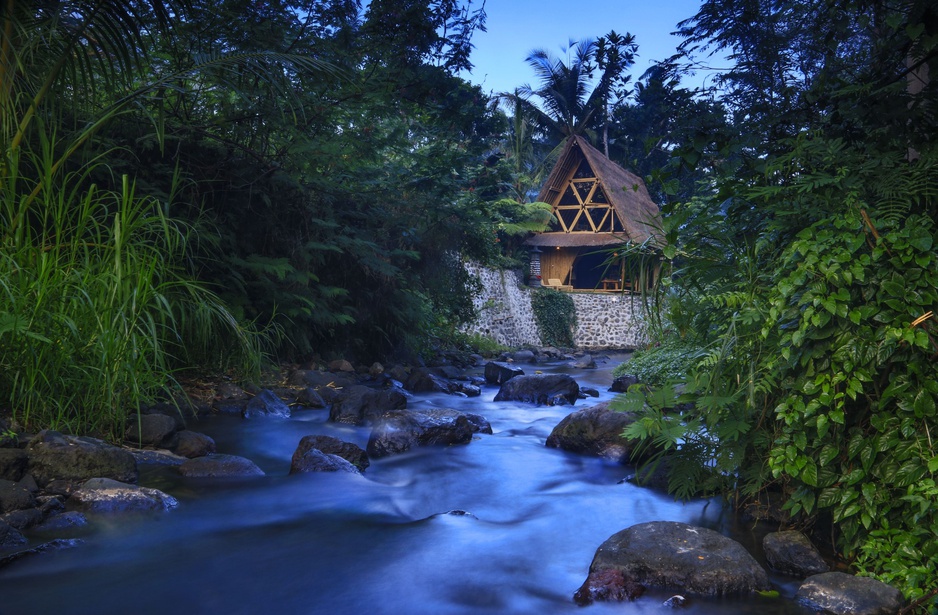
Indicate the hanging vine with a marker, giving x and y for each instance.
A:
(555, 314)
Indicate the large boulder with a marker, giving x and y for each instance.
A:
(541, 389)
(843, 594)
(217, 466)
(791, 552)
(103, 495)
(13, 462)
(55, 456)
(266, 403)
(677, 557)
(303, 461)
(361, 405)
(499, 373)
(149, 429)
(597, 431)
(400, 431)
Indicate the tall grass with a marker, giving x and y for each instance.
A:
(96, 308)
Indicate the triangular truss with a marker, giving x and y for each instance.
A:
(583, 206)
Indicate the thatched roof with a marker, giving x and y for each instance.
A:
(625, 191)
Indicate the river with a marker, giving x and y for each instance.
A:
(501, 525)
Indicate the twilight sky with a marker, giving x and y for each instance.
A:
(516, 27)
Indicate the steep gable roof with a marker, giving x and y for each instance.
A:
(626, 193)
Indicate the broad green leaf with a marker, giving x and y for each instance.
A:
(924, 404)
(828, 453)
(809, 474)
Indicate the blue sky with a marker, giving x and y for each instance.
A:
(516, 27)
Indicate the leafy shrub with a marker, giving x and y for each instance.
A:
(483, 345)
(856, 420)
(555, 313)
(669, 361)
(96, 309)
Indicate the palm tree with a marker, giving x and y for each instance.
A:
(567, 102)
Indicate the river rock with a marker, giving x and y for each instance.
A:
(340, 365)
(844, 594)
(678, 556)
(52, 545)
(149, 429)
(584, 362)
(311, 398)
(314, 460)
(499, 373)
(219, 466)
(622, 383)
(524, 356)
(327, 445)
(10, 537)
(597, 431)
(229, 399)
(400, 431)
(22, 519)
(176, 411)
(540, 389)
(361, 405)
(606, 586)
(792, 553)
(266, 403)
(191, 444)
(13, 463)
(157, 457)
(62, 522)
(468, 389)
(103, 495)
(77, 458)
(423, 380)
(14, 497)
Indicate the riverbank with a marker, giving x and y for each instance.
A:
(500, 524)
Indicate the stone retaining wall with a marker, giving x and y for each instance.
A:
(604, 320)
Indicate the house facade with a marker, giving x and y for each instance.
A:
(599, 208)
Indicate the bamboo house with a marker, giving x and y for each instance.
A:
(598, 208)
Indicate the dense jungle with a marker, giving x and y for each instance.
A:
(222, 187)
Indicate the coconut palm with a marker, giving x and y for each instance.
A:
(567, 102)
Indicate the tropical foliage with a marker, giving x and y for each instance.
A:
(320, 168)
(805, 271)
(555, 314)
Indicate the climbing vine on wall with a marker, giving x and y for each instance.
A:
(555, 313)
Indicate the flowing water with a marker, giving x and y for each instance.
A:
(393, 541)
